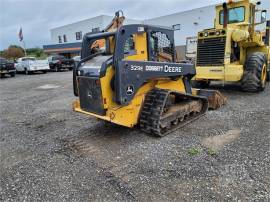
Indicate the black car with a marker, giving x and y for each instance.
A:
(7, 67)
(59, 62)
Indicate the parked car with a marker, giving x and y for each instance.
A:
(6, 67)
(29, 65)
(59, 62)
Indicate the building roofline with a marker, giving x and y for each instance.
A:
(73, 23)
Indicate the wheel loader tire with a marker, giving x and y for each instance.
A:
(255, 73)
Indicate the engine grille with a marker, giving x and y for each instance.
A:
(211, 51)
(90, 95)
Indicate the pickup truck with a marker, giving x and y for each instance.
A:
(6, 67)
(29, 65)
(59, 62)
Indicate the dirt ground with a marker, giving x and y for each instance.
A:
(50, 153)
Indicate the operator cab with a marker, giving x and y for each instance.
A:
(237, 13)
(232, 14)
(104, 48)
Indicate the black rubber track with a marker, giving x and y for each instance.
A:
(153, 109)
(251, 81)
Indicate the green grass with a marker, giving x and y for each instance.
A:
(211, 152)
(194, 151)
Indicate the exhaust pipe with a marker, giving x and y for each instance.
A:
(225, 15)
(267, 35)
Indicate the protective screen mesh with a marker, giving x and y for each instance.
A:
(162, 47)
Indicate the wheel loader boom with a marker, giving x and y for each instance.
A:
(115, 24)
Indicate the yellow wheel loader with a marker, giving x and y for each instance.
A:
(234, 51)
(133, 80)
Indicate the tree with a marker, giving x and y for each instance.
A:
(37, 52)
(13, 52)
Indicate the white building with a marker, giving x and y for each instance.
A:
(67, 38)
(187, 23)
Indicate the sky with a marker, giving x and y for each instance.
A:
(37, 17)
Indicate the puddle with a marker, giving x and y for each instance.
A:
(48, 86)
(219, 141)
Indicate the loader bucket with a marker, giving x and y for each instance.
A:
(214, 97)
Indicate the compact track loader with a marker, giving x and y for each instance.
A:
(234, 51)
(133, 80)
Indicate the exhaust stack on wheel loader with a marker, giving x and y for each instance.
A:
(234, 51)
(134, 80)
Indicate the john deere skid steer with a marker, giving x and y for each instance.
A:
(132, 79)
(234, 51)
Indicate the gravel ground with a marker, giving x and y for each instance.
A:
(50, 153)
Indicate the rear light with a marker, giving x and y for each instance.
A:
(105, 101)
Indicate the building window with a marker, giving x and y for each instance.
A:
(65, 38)
(59, 39)
(78, 35)
(176, 27)
(94, 30)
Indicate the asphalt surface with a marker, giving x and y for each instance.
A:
(50, 153)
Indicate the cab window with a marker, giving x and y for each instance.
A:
(129, 46)
(235, 15)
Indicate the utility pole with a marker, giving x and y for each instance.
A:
(24, 48)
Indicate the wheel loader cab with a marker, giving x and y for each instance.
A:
(224, 51)
(129, 77)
